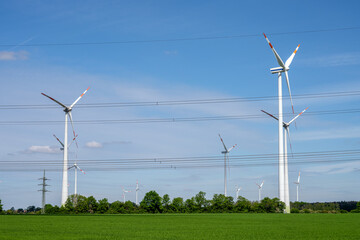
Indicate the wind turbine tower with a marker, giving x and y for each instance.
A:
(283, 68)
(76, 167)
(124, 191)
(297, 187)
(226, 159)
(67, 110)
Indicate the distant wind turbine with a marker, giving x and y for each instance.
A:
(124, 191)
(226, 158)
(67, 110)
(297, 187)
(237, 192)
(260, 187)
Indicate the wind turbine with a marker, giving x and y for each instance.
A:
(226, 157)
(62, 148)
(286, 126)
(125, 191)
(297, 187)
(67, 110)
(284, 67)
(76, 167)
(136, 193)
(237, 192)
(260, 187)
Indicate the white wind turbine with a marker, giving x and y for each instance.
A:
(67, 110)
(125, 191)
(237, 192)
(297, 187)
(284, 67)
(226, 158)
(286, 135)
(260, 187)
(76, 167)
(136, 193)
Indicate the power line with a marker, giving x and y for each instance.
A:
(176, 119)
(177, 39)
(187, 162)
(183, 102)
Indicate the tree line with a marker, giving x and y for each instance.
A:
(154, 203)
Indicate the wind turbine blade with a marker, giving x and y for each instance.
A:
(71, 167)
(297, 116)
(261, 184)
(299, 178)
(223, 143)
(288, 85)
(278, 58)
(289, 60)
(270, 115)
(72, 105)
(58, 140)
(72, 125)
(74, 140)
(232, 148)
(54, 100)
(258, 185)
(288, 133)
(80, 169)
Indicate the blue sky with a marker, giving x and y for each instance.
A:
(327, 61)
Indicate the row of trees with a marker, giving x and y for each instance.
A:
(154, 203)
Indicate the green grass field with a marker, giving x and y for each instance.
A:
(182, 226)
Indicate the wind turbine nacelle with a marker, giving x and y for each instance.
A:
(278, 70)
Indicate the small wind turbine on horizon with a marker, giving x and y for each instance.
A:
(283, 68)
(297, 187)
(125, 191)
(226, 159)
(287, 138)
(76, 167)
(136, 193)
(237, 192)
(67, 110)
(260, 187)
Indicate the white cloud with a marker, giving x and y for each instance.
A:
(12, 55)
(93, 144)
(170, 52)
(335, 60)
(42, 149)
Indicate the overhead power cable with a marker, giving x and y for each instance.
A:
(177, 39)
(175, 119)
(185, 162)
(183, 102)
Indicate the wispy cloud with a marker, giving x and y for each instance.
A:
(335, 168)
(353, 132)
(42, 149)
(13, 55)
(170, 52)
(335, 60)
(94, 144)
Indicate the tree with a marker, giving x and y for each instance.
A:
(92, 204)
(190, 205)
(165, 203)
(151, 202)
(116, 207)
(177, 205)
(242, 205)
(221, 204)
(271, 205)
(103, 205)
(201, 202)
(30, 209)
(1, 206)
(82, 205)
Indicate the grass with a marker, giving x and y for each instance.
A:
(182, 226)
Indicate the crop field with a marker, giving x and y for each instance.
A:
(182, 226)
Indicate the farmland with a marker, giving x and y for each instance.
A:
(181, 226)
